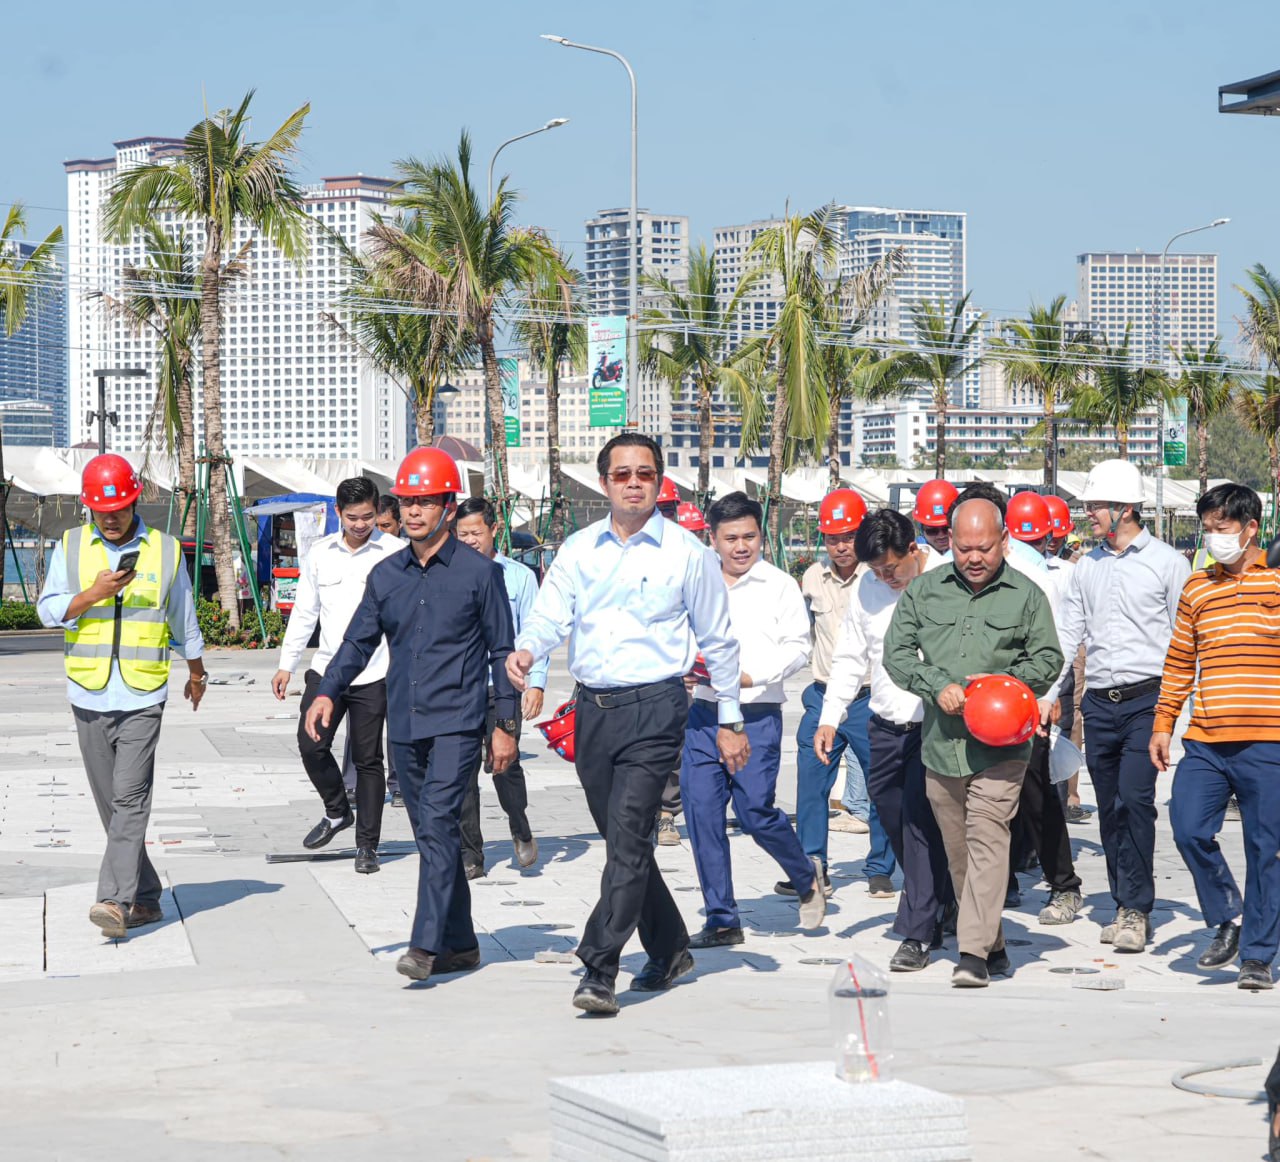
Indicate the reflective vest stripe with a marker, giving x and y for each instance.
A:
(108, 613)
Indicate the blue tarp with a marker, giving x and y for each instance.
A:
(272, 506)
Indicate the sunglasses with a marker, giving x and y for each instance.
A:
(643, 474)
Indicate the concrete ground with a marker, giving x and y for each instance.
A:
(264, 1017)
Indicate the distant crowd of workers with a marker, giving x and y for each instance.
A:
(944, 649)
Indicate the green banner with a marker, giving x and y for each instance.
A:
(607, 359)
(509, 369)
(1175, 435)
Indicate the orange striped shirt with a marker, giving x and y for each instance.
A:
(1228, 626)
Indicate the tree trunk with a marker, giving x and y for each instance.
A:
(497, 423)
(1202, 458)
(1273, 450)
(424, 414)
(833, 443)
(1122, 438)
(187, 452)
(555, 479)
(940, 403)
(777, 460)
(1050, 441)
(4, 516)
(224, 567)
(706, 436)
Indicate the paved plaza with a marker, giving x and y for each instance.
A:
(263, 1019)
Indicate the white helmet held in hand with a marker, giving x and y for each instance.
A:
(1114, 480)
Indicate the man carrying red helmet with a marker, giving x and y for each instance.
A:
(121, 592)
(443, 610)
(827, 589)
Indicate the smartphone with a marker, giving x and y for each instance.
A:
(128, 562)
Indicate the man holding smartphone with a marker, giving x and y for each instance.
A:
(121, 592)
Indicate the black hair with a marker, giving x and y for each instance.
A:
(357, 490)
(883, 531)
(979, 492)
(629, 440)
(734, 506)
(1234, 501)
(477, 506)
(389, 504)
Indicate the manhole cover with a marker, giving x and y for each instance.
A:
(821, 960)
(52, 795)
(520, 903)
(547, 927)
(1068, 970)
(762, 932)
(687, 888)
(55, 843)
(52, 830)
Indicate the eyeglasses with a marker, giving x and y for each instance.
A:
(435, 501)
(643, 474)
(1096, 506)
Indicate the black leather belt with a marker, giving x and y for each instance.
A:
(895, 727)
(624, 695)
(1124, 693)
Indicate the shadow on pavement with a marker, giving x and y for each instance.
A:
(194, 898)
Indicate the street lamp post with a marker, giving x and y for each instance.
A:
(1163, 354)
(633, 230)
(102, 415)
(554, 123)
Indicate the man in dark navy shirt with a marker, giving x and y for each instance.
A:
(444, 610)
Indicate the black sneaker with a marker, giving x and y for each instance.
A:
(881, 888)
(784, 888)
(1223, 947)
(999, 964)
(716, 938)
(474, 871)
(911, 956)
(971, 973)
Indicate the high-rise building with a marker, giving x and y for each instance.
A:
(293, 383)
(1117, 288)
(662, 247)
(33, 364)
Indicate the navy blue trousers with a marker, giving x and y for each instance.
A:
(707, 788)
(433, 780)
(895, 780)
(814, 780)
(1208, 775)
(1124, 781)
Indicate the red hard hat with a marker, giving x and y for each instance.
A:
(1000, 710)
(427, 472)
(933, 502)
(109, 483)
(841, 512)
(689, 516)
(1027, 517)
(668, 493)
(1059, 515)
(558, 730)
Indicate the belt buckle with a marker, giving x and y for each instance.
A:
(603, 701)
(1114, 694)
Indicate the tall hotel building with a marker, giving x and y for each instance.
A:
(293, 384)
(33, 364)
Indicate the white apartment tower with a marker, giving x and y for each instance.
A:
(662, 248)
(293, 385)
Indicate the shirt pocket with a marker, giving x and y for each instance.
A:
(1269, 614)
(1002, 629)
(656, 602)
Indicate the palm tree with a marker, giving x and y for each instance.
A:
(940, 358)
(219, 181)
(690, 338)
(1045, 353)
(161, 298)
(21, 276)
(1119, 391)
(1208, 382)
(553, 332)
(482, 257)
(1261, 324)
(1258, 406)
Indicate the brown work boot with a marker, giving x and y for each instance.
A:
(109, 916)
(141, 914)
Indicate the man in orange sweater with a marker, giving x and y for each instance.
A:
(1228, 624)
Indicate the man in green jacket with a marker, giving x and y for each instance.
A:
(976, 616)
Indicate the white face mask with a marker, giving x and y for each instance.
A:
(1225, 548)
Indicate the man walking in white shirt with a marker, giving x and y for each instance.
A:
(330, 587)
(771, 624)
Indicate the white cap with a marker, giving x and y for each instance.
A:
(1115, 480)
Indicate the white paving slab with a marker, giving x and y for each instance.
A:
(75, 947)
(21, 937)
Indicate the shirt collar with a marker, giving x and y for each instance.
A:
(339, 542)
(1000, 579)
(444, 554)
(1259, 562)
(1140, 542)
(829, 572)
(141, 533)
(755, 573)
(653, 529)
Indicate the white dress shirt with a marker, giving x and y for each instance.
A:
(330, 586)
(637, 611)
(1060, 577)
(771, 622)
(860, 648)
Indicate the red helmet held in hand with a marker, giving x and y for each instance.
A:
(558, 730)
(933, 503)
(109, 483)
(427, 472)
(1000, 710)
(841, 512)
(1027, 517)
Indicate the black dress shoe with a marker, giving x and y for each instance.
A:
(1223, 947)
(911, 956)
(397, 799)
(324, 831)
(595, 995)
(716, 938)
(474, 871)
(658, 975)
(999, 964)
(1255, 975)
(367, 860)
(416, 964)
(1012, 898)
(457, 961)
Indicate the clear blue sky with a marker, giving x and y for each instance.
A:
(1059, 128)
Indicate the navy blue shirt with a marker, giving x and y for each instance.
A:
(448, 627)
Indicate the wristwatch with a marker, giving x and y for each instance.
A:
(202, 681)
(736, 727)
(507, 725)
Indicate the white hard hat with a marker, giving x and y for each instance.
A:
(1116, 480)
(1065, 758)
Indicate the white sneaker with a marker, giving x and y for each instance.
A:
(813, 907)
(848, 822)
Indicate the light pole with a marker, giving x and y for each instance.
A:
(554, 123)
(102, 415)
(633, 230)
(1163, 353)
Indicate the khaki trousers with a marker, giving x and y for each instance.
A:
(973, 814)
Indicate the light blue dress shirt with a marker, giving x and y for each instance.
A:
(184, 631)
(638, 611)
(522, 589)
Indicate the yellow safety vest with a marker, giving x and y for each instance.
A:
(131, 629)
